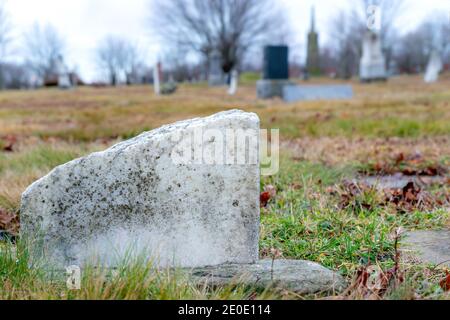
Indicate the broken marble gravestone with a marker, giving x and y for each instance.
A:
(142, 195)
(184, 195)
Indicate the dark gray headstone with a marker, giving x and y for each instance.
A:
(276, 64)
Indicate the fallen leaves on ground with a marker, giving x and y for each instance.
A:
(372, 283)
(9, 222)
(8, 142)
(352, 194)
(268, 193)
(409, 198)
(445, 283)
(413, 164)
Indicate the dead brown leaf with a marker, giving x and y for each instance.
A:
(445, 283)
(9, 222)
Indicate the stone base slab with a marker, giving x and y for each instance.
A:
(299, 276)
(267, 89)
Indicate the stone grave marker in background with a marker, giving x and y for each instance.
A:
(234, 81)
(62, 74)
(215, 72)
(169, 87)
(434, 67)
(373, 64)
(157, 78)
(275, 72)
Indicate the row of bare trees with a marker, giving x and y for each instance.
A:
(118, 57)
(43, 46)
(231, 27)
(234, 29)
(414, 48)
(4, 39)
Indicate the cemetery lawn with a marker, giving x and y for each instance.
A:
(323, 210)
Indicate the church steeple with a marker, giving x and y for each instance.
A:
(313, 19)
(312, 60)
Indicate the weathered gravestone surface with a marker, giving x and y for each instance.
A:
(292, 93)
(434, 67)
(275, 72)
(148, 196)
(373, 64)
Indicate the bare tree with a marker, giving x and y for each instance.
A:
(4, 29)
(345, 45)
(348, 29)
(230, 26)
(15, 76)
(43, 47)
(4, 39)
(414, 49)
(119, 59)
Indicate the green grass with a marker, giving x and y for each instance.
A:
(249, 78)
(305, 222)
(44, 157)
(132, 279)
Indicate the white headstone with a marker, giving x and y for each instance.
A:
(156, 78)
(434, 67)
(150, 195)
(372, 64)
(63, 74)
(215, 73)
(233, 83)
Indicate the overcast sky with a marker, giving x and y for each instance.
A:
(84, 22)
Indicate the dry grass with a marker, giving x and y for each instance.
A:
(335, 151)
(401, 107)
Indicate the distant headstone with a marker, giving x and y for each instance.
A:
(233, 83)
(372, 64)
(63, 74)
(275, 72)
(276, 66)
(157, 78)
(169, 87)
(292, 93)
(151, 196)
(434, 67)
(215, 72)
